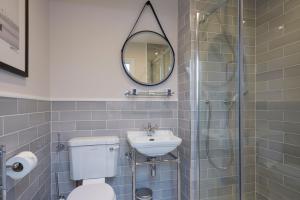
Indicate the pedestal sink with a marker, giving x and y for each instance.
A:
(159, 143)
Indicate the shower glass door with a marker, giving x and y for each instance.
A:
(223, 100)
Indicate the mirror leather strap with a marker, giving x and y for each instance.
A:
(148, 3)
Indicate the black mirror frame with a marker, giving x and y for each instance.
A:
(123, 62)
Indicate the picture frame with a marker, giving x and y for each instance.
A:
(14, 36)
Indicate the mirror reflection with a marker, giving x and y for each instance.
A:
(148, 58)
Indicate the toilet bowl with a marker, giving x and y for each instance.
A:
(97, 191)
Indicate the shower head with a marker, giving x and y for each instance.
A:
(219, 4)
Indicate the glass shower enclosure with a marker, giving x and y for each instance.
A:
(245, 98)
(217, 97)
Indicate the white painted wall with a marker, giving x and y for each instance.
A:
(37, 85)
(86, 37)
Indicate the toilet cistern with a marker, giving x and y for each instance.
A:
(92, 159)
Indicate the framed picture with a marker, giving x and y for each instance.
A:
(14, 36)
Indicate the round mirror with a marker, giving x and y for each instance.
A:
(148, 58)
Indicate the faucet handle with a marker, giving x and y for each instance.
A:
(150, 127)
(146, 128)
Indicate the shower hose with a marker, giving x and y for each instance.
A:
(208, 136)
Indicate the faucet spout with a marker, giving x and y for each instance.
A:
(151, 129)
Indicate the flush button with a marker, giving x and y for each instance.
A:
(151, 139)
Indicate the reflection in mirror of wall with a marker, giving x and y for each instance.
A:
(148, 58)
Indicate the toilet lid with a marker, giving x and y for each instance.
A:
(101, 191)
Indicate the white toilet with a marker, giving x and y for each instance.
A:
(92, 159)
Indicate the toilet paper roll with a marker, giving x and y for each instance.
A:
(28, 161)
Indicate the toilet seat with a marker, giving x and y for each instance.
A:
(99, 191)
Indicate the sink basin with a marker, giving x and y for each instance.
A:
(160, 143)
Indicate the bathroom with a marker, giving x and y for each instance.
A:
(218, 104)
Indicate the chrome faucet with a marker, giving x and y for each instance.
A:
(150, 129)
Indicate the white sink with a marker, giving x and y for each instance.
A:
(160, 143)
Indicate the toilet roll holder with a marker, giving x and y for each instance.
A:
(16, 167)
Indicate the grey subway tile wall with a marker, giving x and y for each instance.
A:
(184, 99)
(101, 118)
(278, 100)
(25, 126)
